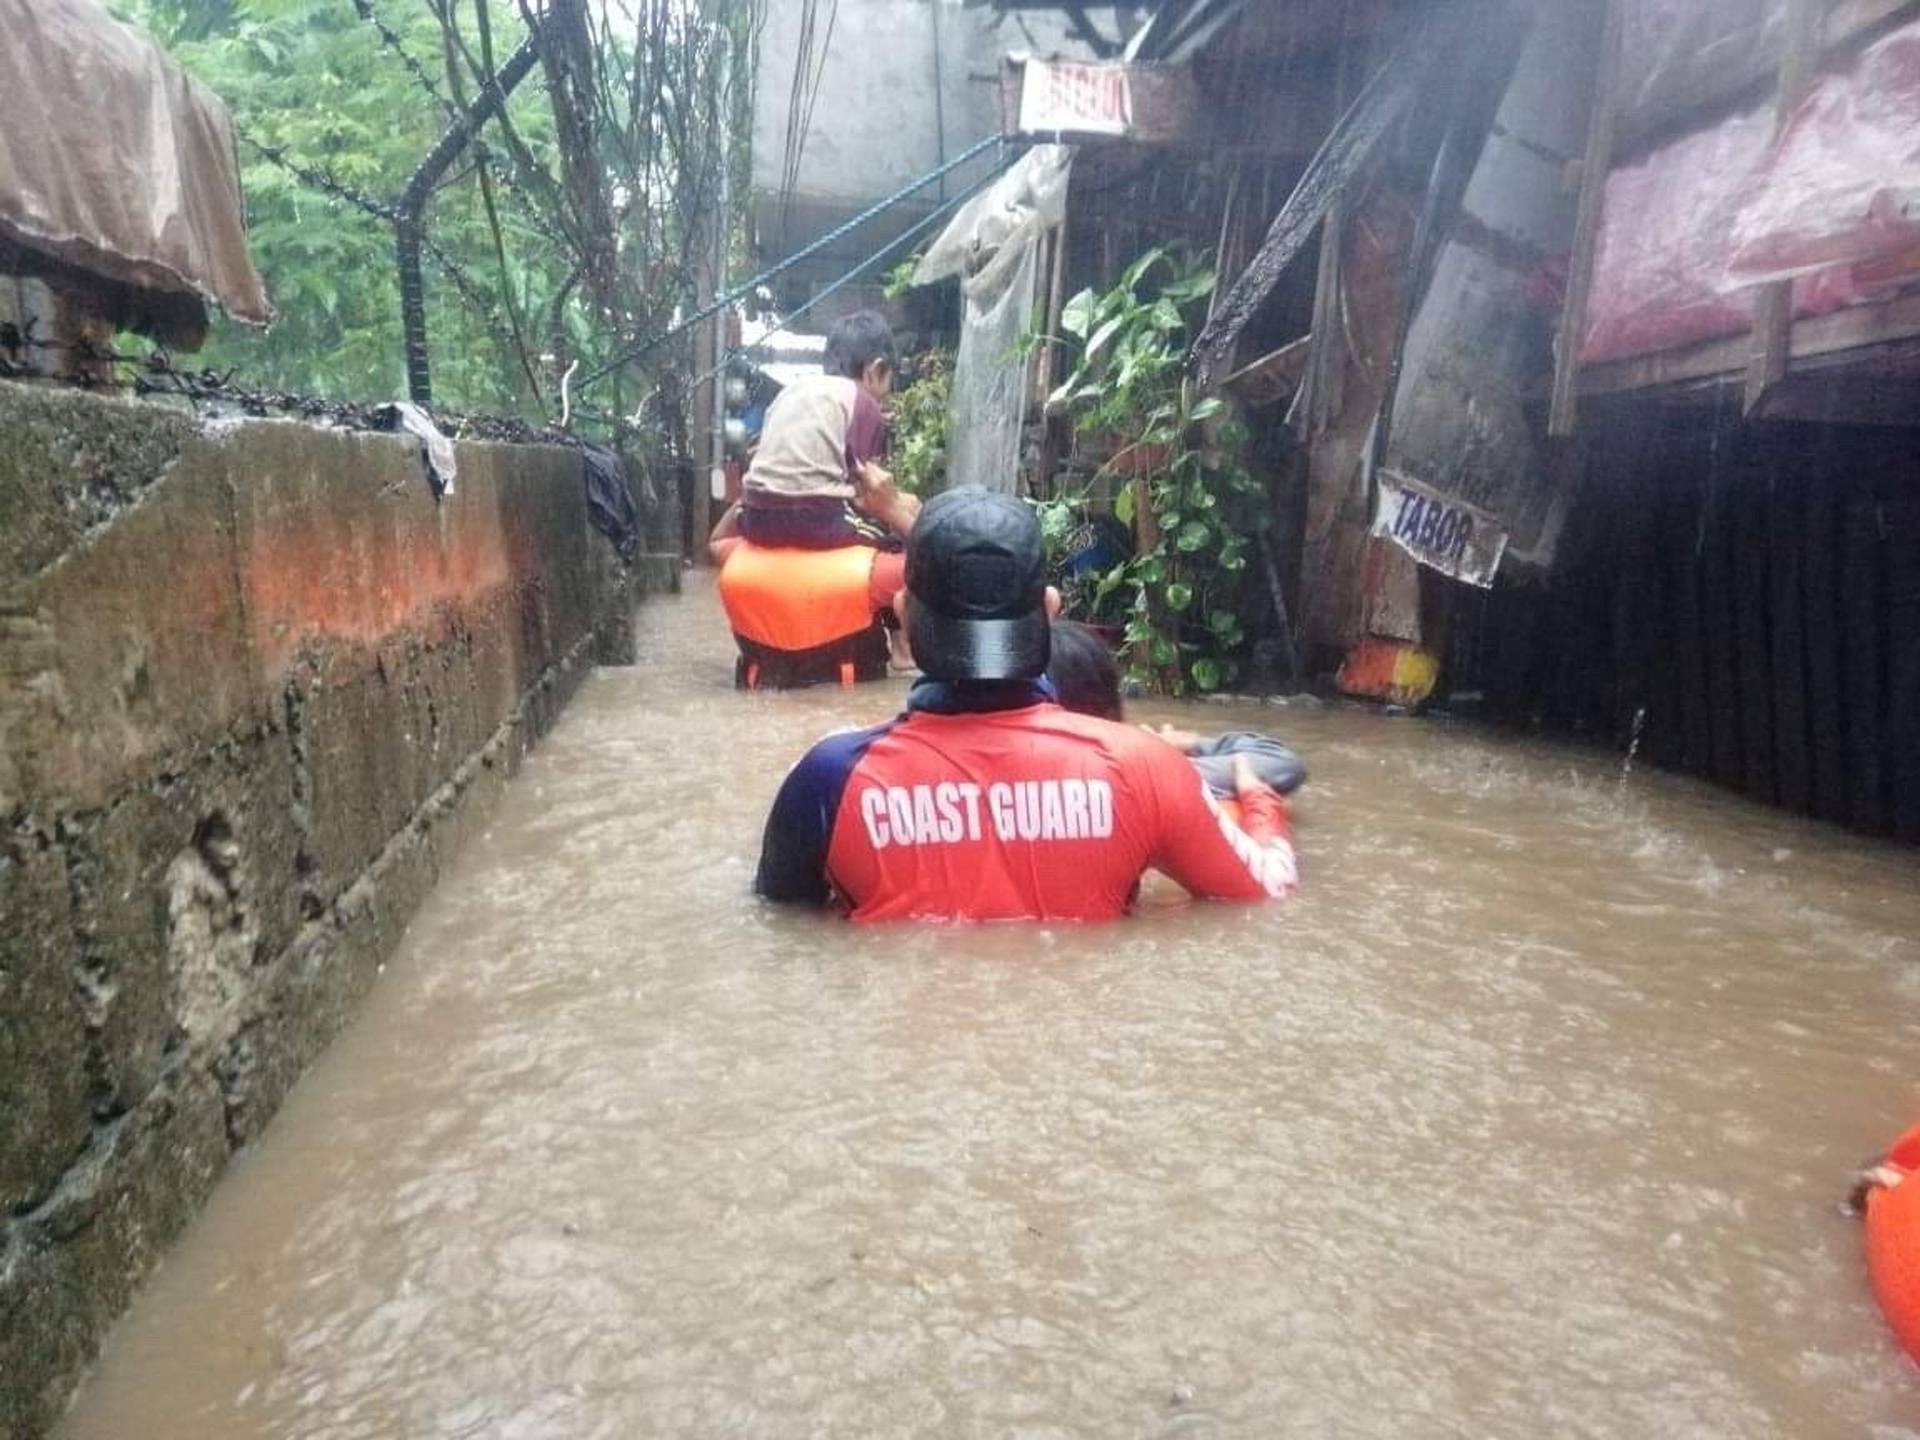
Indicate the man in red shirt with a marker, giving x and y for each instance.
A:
(986, 800)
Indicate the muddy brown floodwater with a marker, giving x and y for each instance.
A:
(1529, 1119)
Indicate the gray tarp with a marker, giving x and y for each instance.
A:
(116, 162)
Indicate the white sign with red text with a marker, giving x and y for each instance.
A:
(1066, 97)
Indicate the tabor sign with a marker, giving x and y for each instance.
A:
(1443, 534)
(1064, 97)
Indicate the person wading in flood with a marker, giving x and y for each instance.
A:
(987, 800)
(1086, 679)
(815, 482)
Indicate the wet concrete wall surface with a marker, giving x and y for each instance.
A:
(256, 683)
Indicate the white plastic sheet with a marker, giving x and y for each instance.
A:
(1672, 50)
(1692, 230)
(1837, 187)
(993, 245)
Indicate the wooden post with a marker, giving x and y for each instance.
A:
(1594, 168)
(1327, 364)
(1226, 253)
(1773, 314)
(1056, 286)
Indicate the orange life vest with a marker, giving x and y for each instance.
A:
(803, 617)
(1893, 1238)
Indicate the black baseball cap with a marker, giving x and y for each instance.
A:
(977, 571)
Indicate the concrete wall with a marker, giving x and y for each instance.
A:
(876, 125)
(256, 685)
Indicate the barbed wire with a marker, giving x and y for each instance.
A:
(154, 374)
(528, 211)
(391, 39)
(319, 177)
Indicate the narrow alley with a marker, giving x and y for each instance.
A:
(612, 1150)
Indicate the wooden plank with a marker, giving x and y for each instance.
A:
(1274, 375)
(1900, 507)
(1772, 339)
(1688, 570)
(1226, 251)
(1514, 613)
(1722, 635)
(1861, 656)
(1564, 414)
(1786, 608)
(1635, 621)
(1826, 339)
(1051, 425)
(1820, 591)
(1327, 371)
(1751, 626)
(1665, 729)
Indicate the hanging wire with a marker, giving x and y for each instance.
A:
(884, 252)
(839, 232)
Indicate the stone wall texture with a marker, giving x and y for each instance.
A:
(256, 682)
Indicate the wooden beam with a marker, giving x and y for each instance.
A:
(1773, 314)
(1818, 340)
(1327, 366)
(1565, 413)
(1049, 425)
(1274, 375)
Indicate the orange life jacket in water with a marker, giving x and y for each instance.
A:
(1893, 1238)
(803, 617)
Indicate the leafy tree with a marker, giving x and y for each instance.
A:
(566, 233)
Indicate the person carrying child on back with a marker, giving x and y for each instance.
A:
(815, 486)
(816, 482)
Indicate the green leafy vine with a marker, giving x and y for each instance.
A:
(1178, 450)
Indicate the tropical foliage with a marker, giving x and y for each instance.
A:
(1196, 508)
(569, 231)
(920, 419)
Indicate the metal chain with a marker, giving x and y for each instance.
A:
(529, 211)
(318, 177)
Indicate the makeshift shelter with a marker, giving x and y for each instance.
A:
(119, 187)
